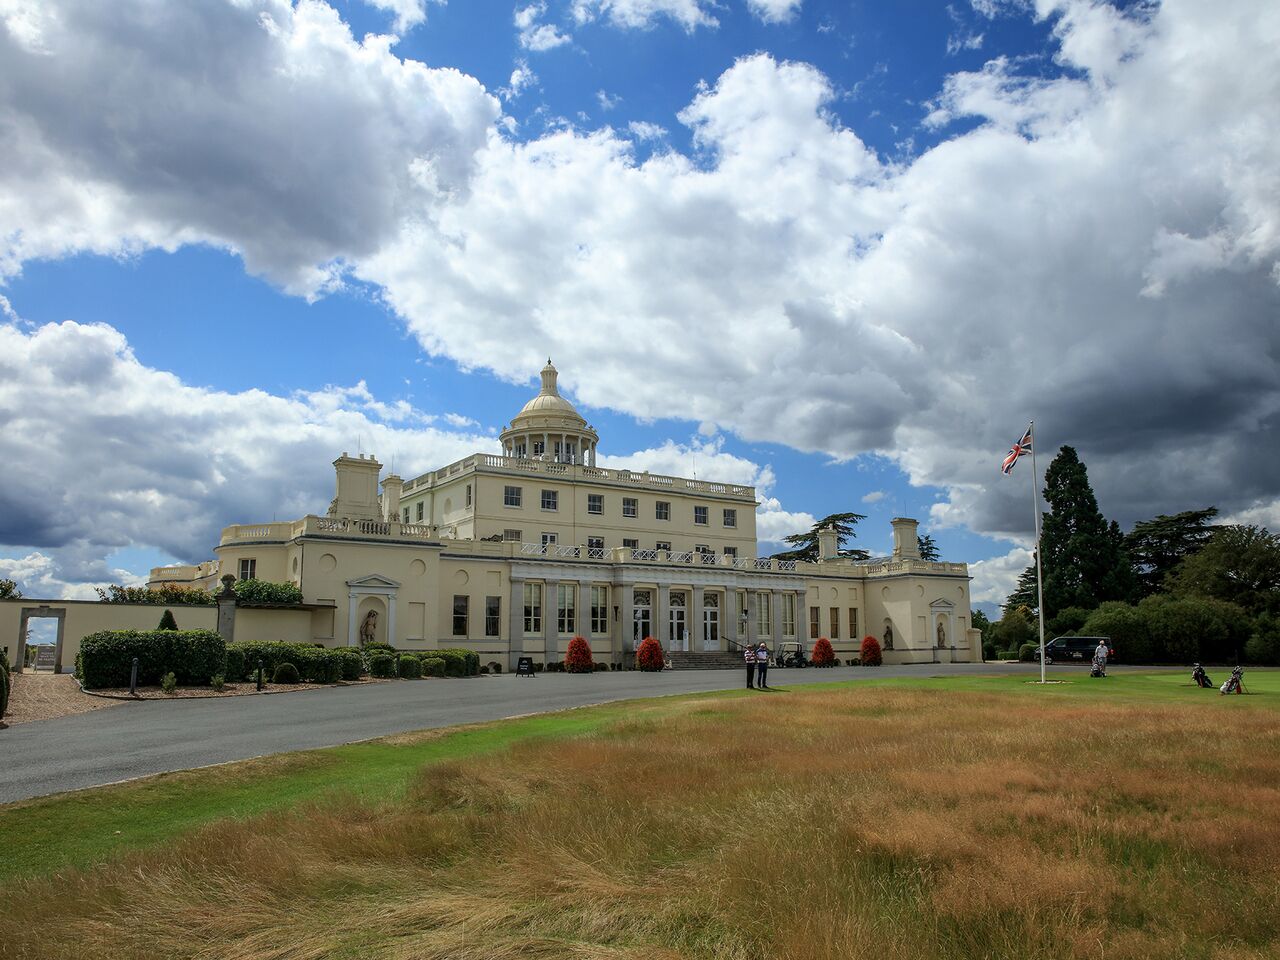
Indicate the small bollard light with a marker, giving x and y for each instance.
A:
(259, 674)
(133, 678)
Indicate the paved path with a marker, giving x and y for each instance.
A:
(148, 737)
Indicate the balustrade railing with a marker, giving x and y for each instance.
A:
(637, 554)
(686, 557)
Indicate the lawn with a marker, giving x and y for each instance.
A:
(975, 817)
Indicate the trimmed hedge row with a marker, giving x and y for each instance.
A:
(192, 656)
(314, 664)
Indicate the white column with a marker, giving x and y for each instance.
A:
(696, 614)
(515, 621)
(391, 619)
(351, 620)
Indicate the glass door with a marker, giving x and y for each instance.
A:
(711, 622)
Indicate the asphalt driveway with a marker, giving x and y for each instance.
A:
(149, 737)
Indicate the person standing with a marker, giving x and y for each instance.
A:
(750, 658)
(762, 666)
(1100, 659)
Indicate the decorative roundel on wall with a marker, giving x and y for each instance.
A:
(328, 562)
(295, 564)
(417, 568)
(834, 594)
(959, 591)
(920, 591)
(884, 592)
(461, 578)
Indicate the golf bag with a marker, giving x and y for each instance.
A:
(1236, 683)
(1099, 668)
(1201, 678)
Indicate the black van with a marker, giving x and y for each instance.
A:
(1067, 649)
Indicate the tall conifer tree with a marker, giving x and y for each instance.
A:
(1085, 562)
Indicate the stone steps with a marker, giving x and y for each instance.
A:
(700, 660)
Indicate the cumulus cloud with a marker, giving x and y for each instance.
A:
(994, 579)
(408, 13)
(521, 79)
(774, 11)
(643, 130)
(875, 496)
(643, 14)
(257, 126)
(535, 35)
(101, 452)
(1097, 246)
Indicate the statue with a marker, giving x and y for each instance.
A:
(888, 637)
(369, 627)
(942, 636)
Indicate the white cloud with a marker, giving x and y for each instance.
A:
(643, 130)
(875, 496)
(40, 577)
(643, 14)
(606, 101)
(1101, 251)
(101, 452)
(163, 125)
(774, 11)
(534, 35)
(408, 13)
(521, 79)
(994, 579)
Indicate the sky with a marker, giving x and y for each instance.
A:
(842, 251)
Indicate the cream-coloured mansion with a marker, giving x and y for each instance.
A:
(516, 554)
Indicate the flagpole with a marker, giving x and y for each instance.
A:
(1035, 506)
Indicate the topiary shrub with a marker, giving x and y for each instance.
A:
(410, 668)
(823, 655)
(264, 591)
(193, 656)
(169, 682)
(1027, 652)
(433, 667)
(351, 665)
(285, 673)
(649, 655)
(382, 665)
(167, 622)
(871, 656)
(578, 659)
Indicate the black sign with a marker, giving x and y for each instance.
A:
(524, 667)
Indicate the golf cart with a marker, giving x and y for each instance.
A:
(790, 653)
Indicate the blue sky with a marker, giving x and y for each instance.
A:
(842, 250)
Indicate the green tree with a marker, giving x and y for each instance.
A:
(805, 545)
(1239, 564)
(1025, 593)
(1157, 546)
(167, 594)
(1068, 621)
(1184, 629)
(1128, 629)
(1084, 558)
(928, 549)
(1264, 645)
(9, 590)
(167, 622)
(981, 622)
(1015, 628)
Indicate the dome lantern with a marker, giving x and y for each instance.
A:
(549, 428)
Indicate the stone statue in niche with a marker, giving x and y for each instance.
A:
(369, 627)
(888, 637)
(942, 635)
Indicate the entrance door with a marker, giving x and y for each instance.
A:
(642, 623)
(677, 635)
(711, 622)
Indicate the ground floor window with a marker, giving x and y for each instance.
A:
(764, 626)
(533, 608)
(815, 622)
(788, 614)
(460, 605)
(599, 609)
(835, 623)
(565, 607)
(492, 615)
(853, 623)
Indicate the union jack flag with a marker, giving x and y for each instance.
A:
(1019, 449)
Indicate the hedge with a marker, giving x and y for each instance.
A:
(193, 656)
(5, 685)
(649, 655)
(1027, 652)
(459, 663)
(433, 667)
(410, 668)
(382, 665)
(315, 664)
(265, 591)
(285, 672)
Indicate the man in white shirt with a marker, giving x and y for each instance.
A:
(749, 656)
(762, 665)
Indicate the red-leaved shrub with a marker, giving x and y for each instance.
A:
(577, 659)
(823, 655)
(871, 652)
(649, 655)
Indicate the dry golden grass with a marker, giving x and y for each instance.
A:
(835, 825)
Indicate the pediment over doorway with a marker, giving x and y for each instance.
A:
(373, 581)
(942, 605)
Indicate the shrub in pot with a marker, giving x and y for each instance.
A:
(823, 654)
(649, 655)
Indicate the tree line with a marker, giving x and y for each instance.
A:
(1175, 588)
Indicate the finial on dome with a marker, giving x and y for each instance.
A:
(549, 380)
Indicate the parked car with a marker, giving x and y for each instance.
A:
(1067, 649)
(790, 653)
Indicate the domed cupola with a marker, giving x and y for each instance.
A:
(549, 428)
